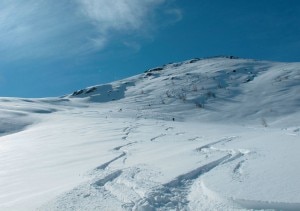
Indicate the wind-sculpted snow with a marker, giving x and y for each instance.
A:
(103, 93)
(12, 122)
(204, 134)
(18, 114)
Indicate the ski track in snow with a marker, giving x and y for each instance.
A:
(119, 147)
(172, 195)
(113, 184)
(207, 146)
(156, 137)
(108, 178)
(103, 166)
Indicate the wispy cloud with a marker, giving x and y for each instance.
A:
(47, 29)
(119, 16)
(35, 29)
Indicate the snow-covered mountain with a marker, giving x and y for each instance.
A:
(220, 133)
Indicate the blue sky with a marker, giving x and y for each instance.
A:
(53, 47)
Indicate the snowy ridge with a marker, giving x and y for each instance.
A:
(219, 133)
(231, 88)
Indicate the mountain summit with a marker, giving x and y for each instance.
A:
(218, 88)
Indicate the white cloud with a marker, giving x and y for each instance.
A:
(37, 29)
(118, 14)
(54, 29)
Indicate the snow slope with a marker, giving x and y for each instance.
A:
(206, 134)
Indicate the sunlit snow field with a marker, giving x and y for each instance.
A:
(205, 134)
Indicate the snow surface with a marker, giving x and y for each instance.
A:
(205, 134)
